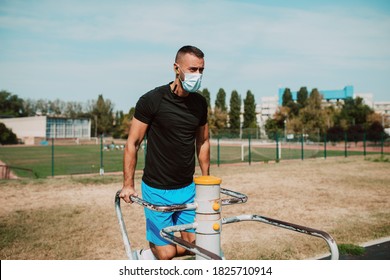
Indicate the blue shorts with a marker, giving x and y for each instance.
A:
(155, 221)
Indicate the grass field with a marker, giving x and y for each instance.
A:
(73, 217)
(44, 161)
(68, 160)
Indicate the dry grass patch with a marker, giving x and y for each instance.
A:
(74, 218)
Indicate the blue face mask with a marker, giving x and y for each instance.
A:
(192, 81)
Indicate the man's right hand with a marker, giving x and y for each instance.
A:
(126, 192)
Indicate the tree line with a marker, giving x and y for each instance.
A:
(104, 120)
(308, 115)
(311, 115)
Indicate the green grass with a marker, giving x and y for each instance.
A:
(351, 249)
(379, 159)
(232, 154)
(67, 159)
(86, 159)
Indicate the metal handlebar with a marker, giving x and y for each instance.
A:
(237, 198)
(162, 208)
(286, 225)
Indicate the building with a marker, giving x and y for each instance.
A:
(383, 108)
(32, 130)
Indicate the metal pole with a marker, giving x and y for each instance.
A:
(382, 142)
(325, 146)
(218, 151)
(249, 149)
(277, 146)
(345, 145)
(101, 155)
(302, 155)
(52, 157)
(364, 144)
(286, 225)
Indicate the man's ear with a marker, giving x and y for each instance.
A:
(176, 67)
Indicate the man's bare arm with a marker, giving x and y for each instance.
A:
(203, 149)
(134, 140)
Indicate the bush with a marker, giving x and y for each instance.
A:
(7, 136)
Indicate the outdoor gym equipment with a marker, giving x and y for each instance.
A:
(208, 221)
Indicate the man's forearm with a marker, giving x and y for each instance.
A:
(203, 152)
(129, 165)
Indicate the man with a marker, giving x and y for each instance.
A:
(174, 119)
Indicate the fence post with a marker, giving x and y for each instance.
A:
(218, 151)
(345, 143)
(382, 142)
(277, 146)
(52, 157)
(101, 172)
(325, 146)
(249, 149)
(364, 144)
(302, 154)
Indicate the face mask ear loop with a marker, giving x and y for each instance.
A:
(178, 73)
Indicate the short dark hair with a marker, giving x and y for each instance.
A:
(189, 49)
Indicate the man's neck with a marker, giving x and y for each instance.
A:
(177, 88)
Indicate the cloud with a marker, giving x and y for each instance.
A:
(128, 46)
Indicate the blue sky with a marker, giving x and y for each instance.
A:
(75, 50)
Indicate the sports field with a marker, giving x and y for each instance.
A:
(73, 217)
(46, 161)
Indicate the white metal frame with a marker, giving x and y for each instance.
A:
(208, 221)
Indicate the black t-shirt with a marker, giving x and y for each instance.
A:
(173, 121)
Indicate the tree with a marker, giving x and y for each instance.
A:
(73, 110)
(56, 107)
(7, 136)
(124, 127)
(219, 119)
(119, 116)
(289, 102)
(302, 96)
(354, 112)
(250, 112)
(206, 94)
(335, 133)
(220, 111)
(234, 113)
(375, 132)
(220, 101)
(103, 111)
(312, 117)
(273, 128)
(11, 105)
(29, 107)
(276, 125)
(287, 97)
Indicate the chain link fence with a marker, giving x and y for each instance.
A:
(54, 157)
(252, 147)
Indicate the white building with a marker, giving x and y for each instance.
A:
(34, 129)
(383, 108)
